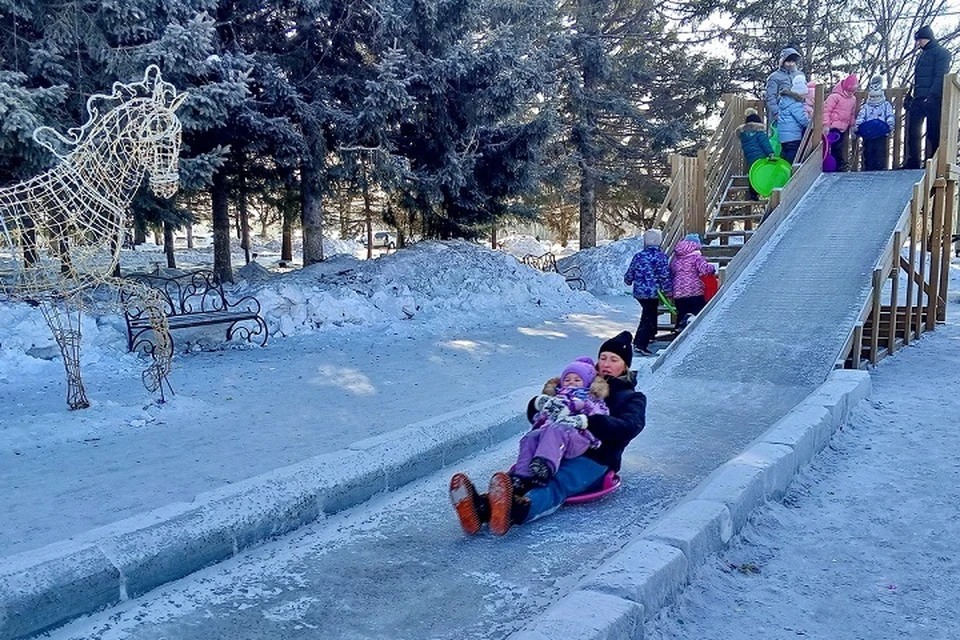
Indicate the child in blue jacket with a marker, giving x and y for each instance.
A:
(793, 119)
(754, 143)
(875, 121)
(649, 273)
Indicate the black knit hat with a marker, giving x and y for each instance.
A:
(753, 116)
(621, 345)
(924, 32)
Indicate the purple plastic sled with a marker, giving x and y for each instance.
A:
(611, 482)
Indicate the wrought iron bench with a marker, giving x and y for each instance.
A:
(194, 299)
(548, 263)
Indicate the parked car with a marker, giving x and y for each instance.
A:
(381, 239)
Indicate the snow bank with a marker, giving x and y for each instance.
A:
(602, 268)
(431, 285)
(522, 245)
(427, 287)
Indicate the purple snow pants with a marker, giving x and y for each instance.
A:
(552, 443)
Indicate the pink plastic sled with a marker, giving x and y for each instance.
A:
(611, 482)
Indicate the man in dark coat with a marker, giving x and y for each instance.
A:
(932, 65)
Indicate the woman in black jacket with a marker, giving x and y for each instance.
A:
(501, 507)
(932, 65)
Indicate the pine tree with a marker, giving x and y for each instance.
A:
(632, 93)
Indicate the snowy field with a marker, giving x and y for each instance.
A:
(864, 545)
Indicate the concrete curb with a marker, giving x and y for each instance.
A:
(651, 571)
(46, 587)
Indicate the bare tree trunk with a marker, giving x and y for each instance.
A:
(168, 245)
(242, 210)
(367, 213)
(493, 237)
(220, 197)
(311, 169)
(591, 61)
(189, 236)
(139, 234)
(288, 211)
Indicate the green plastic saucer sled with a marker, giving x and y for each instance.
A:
(767, 175)
(775, 139)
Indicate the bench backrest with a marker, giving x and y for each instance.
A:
(193, 292)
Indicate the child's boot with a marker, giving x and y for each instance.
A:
(540, 471)
(472, 509)
(520, 484)
(506, 509)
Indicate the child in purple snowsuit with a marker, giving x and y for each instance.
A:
(560, 424)
(687, 267)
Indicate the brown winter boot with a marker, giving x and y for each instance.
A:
(471, 508)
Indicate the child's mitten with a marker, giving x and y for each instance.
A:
(541, 401)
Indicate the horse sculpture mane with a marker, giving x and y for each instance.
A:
(63, 229)
(152, 87)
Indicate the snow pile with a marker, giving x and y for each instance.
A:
(427, 287)
(602, 268)
(431, 284)
(522, 245)
(27, 344)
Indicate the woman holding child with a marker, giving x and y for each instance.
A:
(503, 506)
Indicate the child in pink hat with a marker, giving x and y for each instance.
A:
(560, 424)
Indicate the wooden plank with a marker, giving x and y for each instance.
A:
(700, 191)
(947, 145)
(924, 217)
(936, 251)
(894, 290)
(949, 204)
(911, 271)
(857, 350)
(875, 316)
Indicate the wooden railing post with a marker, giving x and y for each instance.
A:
(936, 251)
(875, 316)
(924, 235)
(856, 351)
(948, 125)
(817, 117)
(899, 126)
(912, 271)
(894, 292)
(949, 193)
(700, 192)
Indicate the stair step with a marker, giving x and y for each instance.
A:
(715, 252)
(739, 216)
(726, 204)
(740, 181)
(728, 234)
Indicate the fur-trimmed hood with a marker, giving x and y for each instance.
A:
(600, 388)
(751, 126)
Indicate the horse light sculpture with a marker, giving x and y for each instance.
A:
(61, 231)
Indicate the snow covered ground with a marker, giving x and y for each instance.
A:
(860, 548)
(357, 348)
(864, 545)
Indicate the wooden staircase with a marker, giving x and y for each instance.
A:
(732, 222)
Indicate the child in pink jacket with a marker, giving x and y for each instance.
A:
(686, 267)
(811, 96)
(840, 115)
